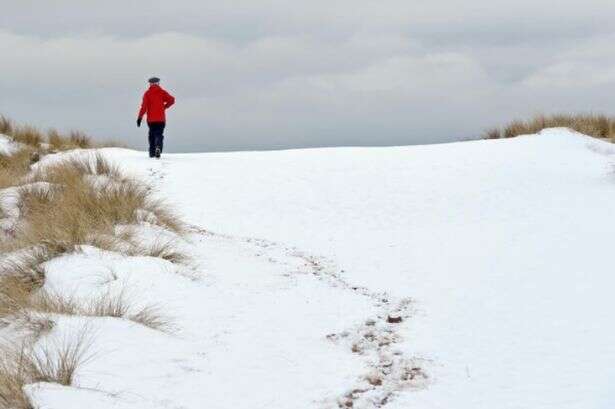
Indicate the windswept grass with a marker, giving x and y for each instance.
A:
(165, 250)
(28, 135)
(152, 317)
(6, 125)
(20, 276)
(89, 199)
(80, 199)
(14, 166)
(114, 305)
(599, 126)
(52, 140)
(22, 293)
(52, 363)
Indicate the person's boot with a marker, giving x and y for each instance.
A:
(158, 152)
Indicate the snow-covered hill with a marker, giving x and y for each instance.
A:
(497, 255)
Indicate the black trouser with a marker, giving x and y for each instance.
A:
(156, 136)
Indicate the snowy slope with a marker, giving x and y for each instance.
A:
(504, 248)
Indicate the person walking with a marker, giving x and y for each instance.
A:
(155, 102)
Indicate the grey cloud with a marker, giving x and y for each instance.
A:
(274, 74)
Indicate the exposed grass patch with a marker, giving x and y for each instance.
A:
(28, 135)
(80, 140)
(52, 140)
(106, 305)
(19, 278)
(599, 126)
(80, 200)
(54, 363)
(22, 293)
(493, 133)
(165, 250)
(14, 166)
(152, 317)
(6, 125)
(74, 140)
(89, 199)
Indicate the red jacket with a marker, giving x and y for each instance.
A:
(155, 102)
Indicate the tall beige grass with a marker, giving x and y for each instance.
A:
(82, 200)
(52, 140)
(596, 125)
(80, 209)
(22, 293)
(14, 166)
(6, 125)
(21, 365)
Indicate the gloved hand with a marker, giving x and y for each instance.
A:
(139, 122)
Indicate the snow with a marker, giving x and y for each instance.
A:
(243, 330)
(6, 145)
(496, 254)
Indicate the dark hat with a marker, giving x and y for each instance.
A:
(154, 80)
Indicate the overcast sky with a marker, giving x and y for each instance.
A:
(268, 74)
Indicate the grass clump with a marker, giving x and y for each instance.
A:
(50, 141)
(80, 140)
(14, 166)
(596, 125)
(79, 200)
(89, 198)
(20, 276)
(52, 363)
(28, 135)
(106, 305)
(152, 317)
(22, 293)
(6, 125)
(74, 140)
(165, 250)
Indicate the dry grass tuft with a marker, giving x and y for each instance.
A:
(74, 140)
(81, 210)
(152, 317)
(13, 378)
(14, 166)
(52, 140)
(21, 298)
(55, 140)
(165, 250)
(106, 305)
(35, 144)
(516, 128)
(59, 364)
(6, 125)
(55, 363)
(80, 200)
(20, 277)
(493, 133)
(28, 135)
(599, 126)
(76, 167)
(22, 294)
(80, 139)
(13, 296)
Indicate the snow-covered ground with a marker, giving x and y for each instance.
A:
(497, 255)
